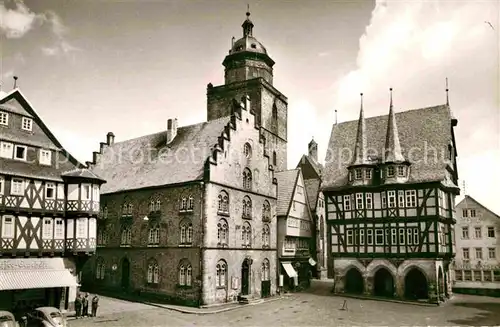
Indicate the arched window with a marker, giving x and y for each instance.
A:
(153, 272)
(222, 232)
(266, 211)
(247, 150)
(246, 234)
(247, 179)
(126, 236)
(183, 204)
(221, 273)
(247, 208)
(186, 232)
(275, 160)
(130, 208)
(102, 236)
(223, 202)
(154, 235)
(190, 203)
(152, 205)
(185, 273)
(125, 209)
(158, 205)
(266, 270)
(266, 235)
(100, 268)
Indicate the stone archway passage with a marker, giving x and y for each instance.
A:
(125, 273)
(354, 283)
(383, 283)
(441, 284)
(416, 286)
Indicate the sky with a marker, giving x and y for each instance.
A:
(90, 67)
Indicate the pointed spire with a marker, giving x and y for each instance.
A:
(447, 98)
(392, 146)
(360, 148)
(247, 24)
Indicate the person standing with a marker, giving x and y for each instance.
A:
(95, 305)
(78, 306)
(85, 305)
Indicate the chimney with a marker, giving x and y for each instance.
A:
(171, 130)
(110, 138)
(313, 150)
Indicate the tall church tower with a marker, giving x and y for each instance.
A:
(249, 71)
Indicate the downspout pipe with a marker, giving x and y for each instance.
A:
(202, 240)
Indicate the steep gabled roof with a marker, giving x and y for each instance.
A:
(287, 180)
(310, 167)
(469, 198)
(360, 145)
(424, 133)
(82, 173)
(148, 161)
(312, 187)
(392, 145)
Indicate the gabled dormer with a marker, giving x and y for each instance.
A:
(395, 167)
(362, 168)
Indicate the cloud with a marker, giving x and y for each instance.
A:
(413, 46)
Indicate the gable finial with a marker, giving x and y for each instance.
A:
(15, 81)
(447, 98)
(247, 24)
(390, 90)
(335, 116)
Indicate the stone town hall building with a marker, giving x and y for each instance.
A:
(188, 214)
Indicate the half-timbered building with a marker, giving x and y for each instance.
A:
(188, 214)
(390, 184)
(295, 230)
(48, 208)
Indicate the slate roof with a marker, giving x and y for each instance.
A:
(316, 167)
(148, 161)
(419, 130)
(287, 180)
(470, 198)
(82, 173)
(312, 187)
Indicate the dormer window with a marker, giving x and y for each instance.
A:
(27, 124)
(401, 171)
(390, 171)
(359, 173)
(4, 118)
(368, 173)
(351, 174)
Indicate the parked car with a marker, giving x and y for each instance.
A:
(46, 317)
(7, 319)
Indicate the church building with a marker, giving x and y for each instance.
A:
(188, 214)
(390, 184)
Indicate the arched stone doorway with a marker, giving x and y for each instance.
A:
(245, 277)
(441, 285)
(383, 283)
(354, 282)
(416, 286)
(125, 282)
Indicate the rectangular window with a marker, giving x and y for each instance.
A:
(59, 230)
(401, 171)
(369, 201)
(86, 192)
(81, 228)
(20, 152)
(349, 237)
(390, 171)
(464, 213)
(2, 185)
(27, 124)
(361, 237)
(347, 202)
(8, 227)
(479, 253)
(394, 240)
(379, 236)
(391, 195)
(359, 173)
(50, 190)
(409, 236)
(472, 213)
(47, 228)
(369, 237)
(401, 236)
(359, 201)
(467, 275)
(384, 200)
(17, 186)
(491, 231)
(45, 157)
(465, 233)
(492, 253)
(401, 199)
(477, 232)
(416, 236)
(411, 198)
(6, 150)
(368, 173)
(465, 253)
(4, 118)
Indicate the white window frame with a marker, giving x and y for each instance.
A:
(394, 236)
(383, 198)
(361, 237)
(476, 234)
(480, 252)
(358, 173)
(409, 236)
(347, 202)
(350, 237)
(369, 201)
(8, 147)
(401, 199)
(5, 232)
(391, 199)
(490, 252)
(50, 186)
(390, 171)
(379, 232)
(48, 228)
(411, 198)
(27, 124)
(402, 236)
(466, 253)
(86, 192)
(17, 190)
(45, 157)
(4, 118)
(2, 185)
(25, 152)
(465, 233)
(58, 231)
(368, 173)
(359, 201)
(401, 171)
(81, 228)
(488, 230)
(416, 236)
(369, 236)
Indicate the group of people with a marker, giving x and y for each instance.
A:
(82, 305)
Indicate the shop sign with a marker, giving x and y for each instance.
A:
(21, 264)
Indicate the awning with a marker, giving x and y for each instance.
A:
(312, 262)
(290, 271)
(16, 274)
